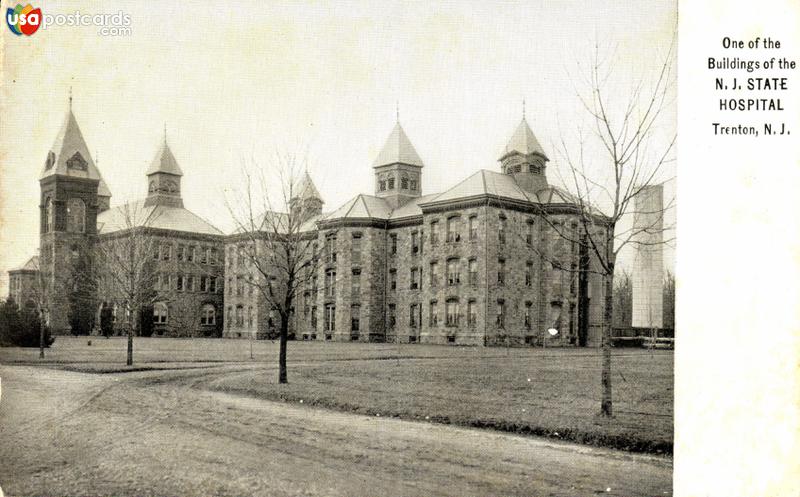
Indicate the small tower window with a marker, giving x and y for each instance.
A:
(382, 185)
(391, 184)
(48, 215)
(76, 216)
(404, 183)
(413, 183)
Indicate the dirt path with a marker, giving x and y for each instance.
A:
(160, 433)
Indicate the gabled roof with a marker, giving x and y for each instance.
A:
(164, 162)
(523, 141)
(398, 149)
(166, 217)
(411, 208)
(362, 207)
(31, 264)
(307, 189)
(71, 147)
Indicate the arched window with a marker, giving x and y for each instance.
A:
(152, 186)
(404, 182)
(48, 215)
(208, 314)
(160, 313)
(76, 216)
(240, 315)
(172, 187)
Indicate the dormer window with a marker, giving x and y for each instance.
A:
(77, 162)
(51, 159)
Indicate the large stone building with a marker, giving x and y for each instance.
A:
(494, 260)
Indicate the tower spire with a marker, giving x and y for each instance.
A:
(397, 111)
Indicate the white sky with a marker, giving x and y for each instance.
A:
(250, 78)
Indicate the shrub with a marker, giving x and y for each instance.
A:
(21, 327)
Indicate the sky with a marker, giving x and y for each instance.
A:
(232, 82)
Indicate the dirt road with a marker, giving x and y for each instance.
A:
(161, 433)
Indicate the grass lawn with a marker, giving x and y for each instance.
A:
(547, 392)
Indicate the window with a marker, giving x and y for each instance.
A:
(453, 272)
(501, 314)
(181, 252)
(179, 283)
(414, 243)
(208, 315)
(330, 248)
(501, 229)
(190, 284)
(355, 317)
(76, 216)
(166, 252)
(472, 313)
(434, 232)
(393, 244)
(355, 284)
(160, 313)
(473, 227)
(434, 274)
(240, 316)
(313, 317)
(382, 185)
(393, 279)
(239, 286)
(501, 272)
(230, 317)
(392, 316)
(249, 316)
(528, 273)
(190, 254)
(518, 168)
(212, 256)
(529, 233)
(433, 314)
(414, 279)
(404, 183)
(240, 255)
(473, 272)
(391, 184)
(49, 224)
(330, 283)
(203, 255)
(451, 309)
(413, 183)
(330, 318)
(414, 316)
(454, 229)
(528, 306)
(356, 248)
(77, 162)
(212, 284)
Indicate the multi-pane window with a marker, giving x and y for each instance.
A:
(355, 282)
(212, 256)
(391, 183)
(501, 314)
(473, 272)
(393, 279)
(330, 318)
(330, 248)
(382, 185)
(212, 284)
(501, 229)
(501, 271)
(160, 313)
(433, 313)
(392, 317)
(330, 283)
(166, 252)
(413, 186)
(313, 317)
(414, 315)
(528, 273)
(473, 227)
(239, 286)
(451, 309)
(414, 242)
(453, 272)
(240, 316)
(434, 232)
(179, 283)
(393, 244)
(208, 315)
(190, 283)
(454, 229)
(529, 232)
(49, 218)
(190, 253)
(249, 316)
(404, 183)
(355, 317)
(472, 313)
(434, 274)
(181, 252)
(356, 248)
(203, 255)
(230, 317)
(414, 279)
(76, 215)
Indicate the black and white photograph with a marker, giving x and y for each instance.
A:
(304, 248)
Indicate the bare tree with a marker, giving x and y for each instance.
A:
(41, 293)
(669, 300)
(633, 155)
(126, 268)
(278, 238)
(623, 299)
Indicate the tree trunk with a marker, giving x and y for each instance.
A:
(605, 405)
(282, 353)
(41, 338)
(130, 342)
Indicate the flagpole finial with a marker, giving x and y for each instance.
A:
(523, 108)
(165, 132)
(70, 98)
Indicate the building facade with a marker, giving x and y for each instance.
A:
(495, 260)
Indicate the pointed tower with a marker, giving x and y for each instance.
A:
(525, 159)
(306, 199)
(398, 169)
(72, 193)
(164, 179)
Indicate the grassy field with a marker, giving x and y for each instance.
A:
(546, 392)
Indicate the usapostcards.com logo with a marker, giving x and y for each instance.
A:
(23, 20)
(26, 21)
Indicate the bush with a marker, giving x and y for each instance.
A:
(21, 327)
